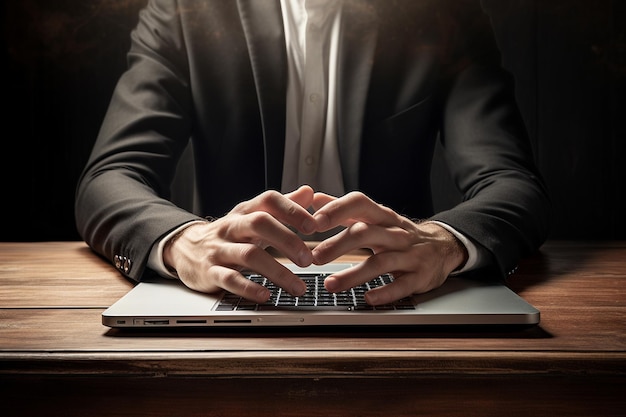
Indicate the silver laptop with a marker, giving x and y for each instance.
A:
(459, 302)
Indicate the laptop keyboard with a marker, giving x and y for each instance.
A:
(315, 298)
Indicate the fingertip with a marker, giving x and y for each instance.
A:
(298, 289)
(331, 284)
(262, 295)
(372, 298)
(305, 257)
(303, 195)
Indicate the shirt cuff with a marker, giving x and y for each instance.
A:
(155, 259)
(475, 257)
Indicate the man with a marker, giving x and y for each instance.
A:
(307, 116)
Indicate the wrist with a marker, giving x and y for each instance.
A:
(168, 251)
(454, 251)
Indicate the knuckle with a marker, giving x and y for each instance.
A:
(248, 254)
(357, 196)
(268, 197)
(359, 229)
(249, 287)
(390, 212)
(381, 263)
(291, 210)
(220, 277)
(211, 260)
(227, 279)
(405, 237)
(239, 208)
(259, 219)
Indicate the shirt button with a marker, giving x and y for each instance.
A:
(309, 160)
(314, 98)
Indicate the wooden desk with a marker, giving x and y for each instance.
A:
(56, 358)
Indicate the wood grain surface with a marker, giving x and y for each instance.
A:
(56, 358)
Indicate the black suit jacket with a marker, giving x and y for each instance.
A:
(215, 71)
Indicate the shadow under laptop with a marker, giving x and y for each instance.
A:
(343, 332)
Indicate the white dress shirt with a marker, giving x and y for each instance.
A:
(312, 33)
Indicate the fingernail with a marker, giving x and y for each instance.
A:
(308, 226)
(318, 255)
(323, 221)
(305, 257)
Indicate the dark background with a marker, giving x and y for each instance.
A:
(61, 59)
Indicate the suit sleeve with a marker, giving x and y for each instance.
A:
(121, 204)
(505, 206)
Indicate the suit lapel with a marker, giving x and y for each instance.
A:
(356, 56)
(263, 26)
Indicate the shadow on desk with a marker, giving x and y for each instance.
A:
(551, 263)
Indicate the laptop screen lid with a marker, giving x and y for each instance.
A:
(459, 301)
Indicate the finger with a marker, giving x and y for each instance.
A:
(321, 199)
(304, 196)
(396, 290)
(264, 230)
(352, 207)
(420, 279)
(404, 285)
(218, 277)
(361, 235)
(233, 281)
(364, 272)
(281, 207)
(251, 257)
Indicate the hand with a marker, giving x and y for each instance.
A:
(420, 256)
(210, 256)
